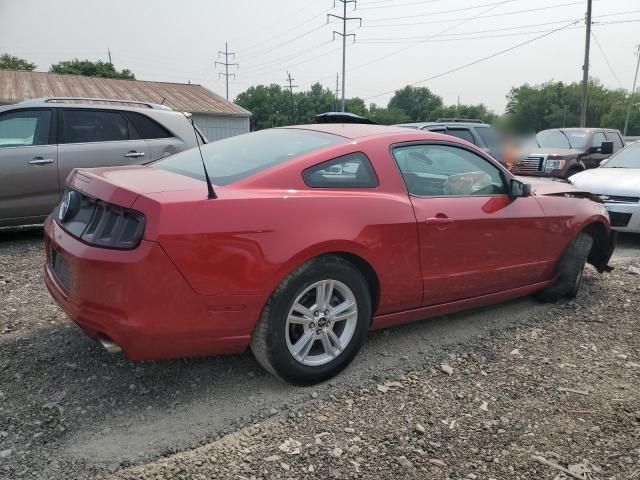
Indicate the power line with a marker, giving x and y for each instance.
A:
(477, 17)
(593, 35)
(226, 65)
(455, 10)
(480, 60)
(344, 36)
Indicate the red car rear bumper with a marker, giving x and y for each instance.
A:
(139, 299)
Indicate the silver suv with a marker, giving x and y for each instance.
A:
(42, 140)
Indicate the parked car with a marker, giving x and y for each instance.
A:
(617, 182)
(563, 152)
(473, 131)
(312, 236)
(42, 140)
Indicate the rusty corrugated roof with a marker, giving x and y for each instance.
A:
(18, 85)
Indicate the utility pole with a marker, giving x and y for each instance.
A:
(335, 102)
(344, 36)
(109, 53)
(291, 86)
(585, 68)
(226, 65)
(633, 90)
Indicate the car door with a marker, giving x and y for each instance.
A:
(160, 141)
(97, 138)
(474, 239)
(594, 158)
(28, 163)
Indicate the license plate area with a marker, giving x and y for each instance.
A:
(60, 267)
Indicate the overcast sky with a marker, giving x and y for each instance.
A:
(400, 42)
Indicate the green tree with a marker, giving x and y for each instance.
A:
(387, 116)
(270, 106)
(419, 103)
(91, 69)
(556, 104)
(10, 62)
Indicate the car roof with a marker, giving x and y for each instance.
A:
(583, 129)
(352, 130)
(89, 102)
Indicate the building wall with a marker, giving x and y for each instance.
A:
(217, 127)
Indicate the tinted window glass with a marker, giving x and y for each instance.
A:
(238, 157)
(146, 127)
(615, 138)
(598, 138)
(436, 170)
(25, 127)
(461, 133)
(82, 126)
(349, 171)
(489, 136)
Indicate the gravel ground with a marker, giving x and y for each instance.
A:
(559, 381)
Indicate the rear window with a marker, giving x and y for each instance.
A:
(239, 157)
(489, 136)
(461, 133)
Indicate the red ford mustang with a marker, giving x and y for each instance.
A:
(316, 234)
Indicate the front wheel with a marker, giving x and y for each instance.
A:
(315, 322)
(569, 270)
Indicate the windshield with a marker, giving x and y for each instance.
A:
(562, 139)
(238, 157)
(628, 157)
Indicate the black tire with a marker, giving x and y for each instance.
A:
(269, 340)
(570, 270)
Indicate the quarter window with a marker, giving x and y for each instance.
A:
(444, 170)
(24, 128)
(349, 171)
(84, 126)
(146, 127)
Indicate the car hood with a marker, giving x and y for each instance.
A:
(609, 181)
(550, 186)
(557, 152)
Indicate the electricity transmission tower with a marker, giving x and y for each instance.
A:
(585, 69)
(633, 90)
(291, 86)
(344, 36)
(226, 65)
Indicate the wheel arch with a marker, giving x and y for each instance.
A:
(604, 241)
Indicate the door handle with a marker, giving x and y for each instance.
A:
(439, 221)
(40, 161)
(134, 154)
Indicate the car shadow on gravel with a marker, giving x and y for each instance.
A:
(67, 399)
(17, 234)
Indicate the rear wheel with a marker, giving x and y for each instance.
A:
(315, 322)
(570, 270)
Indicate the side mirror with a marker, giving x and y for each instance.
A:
(519, 189)
(606, 148)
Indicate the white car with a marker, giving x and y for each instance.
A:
(617, 182)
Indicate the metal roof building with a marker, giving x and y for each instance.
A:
(215, 116)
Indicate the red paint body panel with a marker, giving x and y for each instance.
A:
(200, 278)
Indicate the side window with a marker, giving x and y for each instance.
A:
(598, 138)
(443, 170)
(84, 126)
(615, 138)
(461, 133)
(146, 127)
(24, 128)
(349, 171)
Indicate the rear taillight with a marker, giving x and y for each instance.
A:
(99, 223)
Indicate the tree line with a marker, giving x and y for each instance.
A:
(529, 107)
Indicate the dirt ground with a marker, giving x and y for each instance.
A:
(560, 382)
